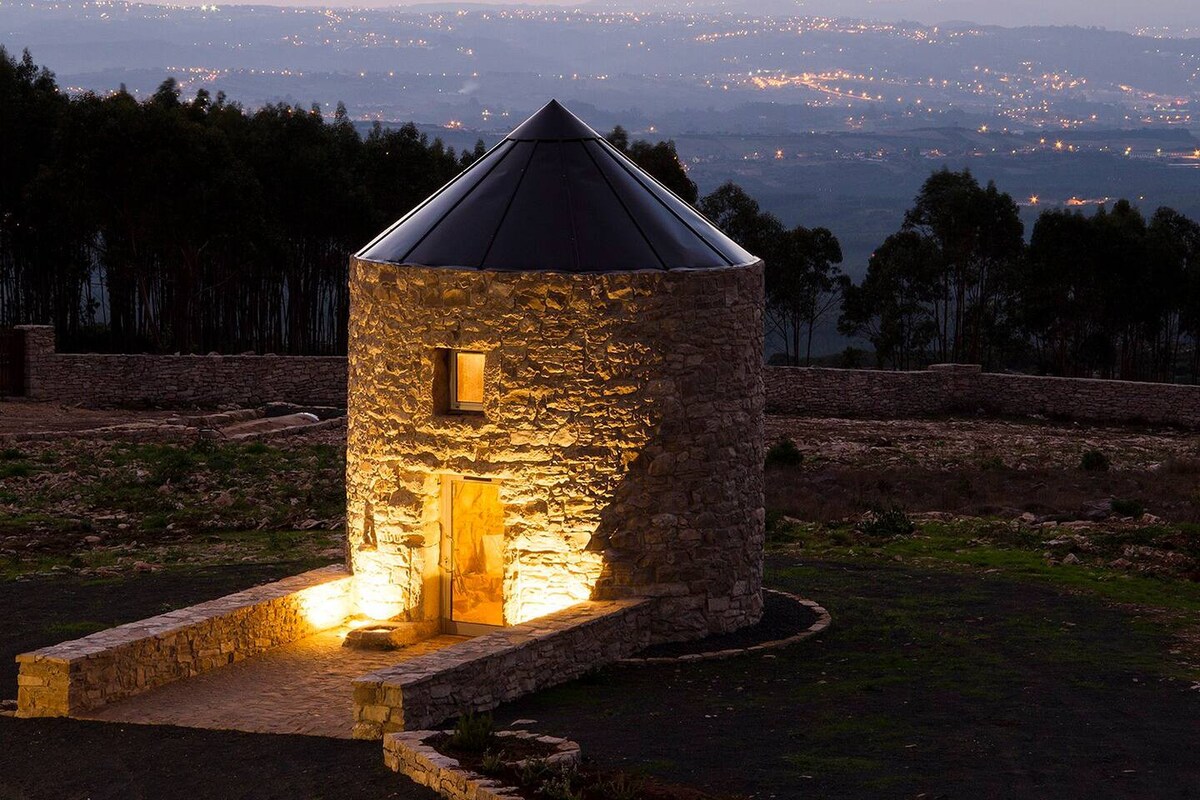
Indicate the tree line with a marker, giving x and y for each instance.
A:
(173, 225)
(1112, 295)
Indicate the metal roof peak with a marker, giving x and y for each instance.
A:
(552, 123)
(555, 197)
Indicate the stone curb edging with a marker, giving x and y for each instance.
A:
(294, 430)
(823, 621)
(408, 753)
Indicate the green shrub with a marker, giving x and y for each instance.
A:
(621, 786)
(887, 522)
(1094, 461)
(533, 771)
(156, 521)
(16, 469)
(992, 463)
(561, 784)
(492, 763)
(782, 529)
(784, 453)
(473, 733)
(204, 446)
(1127, 508)
(11, 454)
(173, 465)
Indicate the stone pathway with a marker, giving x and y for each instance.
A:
(304, 687)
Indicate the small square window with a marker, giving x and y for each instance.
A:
(466, 380)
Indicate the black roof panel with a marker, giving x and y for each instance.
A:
(555, 196)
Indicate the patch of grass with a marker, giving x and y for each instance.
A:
(42, 522)
(11, 454)
(945, 542)
(283, 541)
(74, 630)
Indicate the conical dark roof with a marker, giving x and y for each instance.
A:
(555, 196)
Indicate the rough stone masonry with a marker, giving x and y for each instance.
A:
(622, 417)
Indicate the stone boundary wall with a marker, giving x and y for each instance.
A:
(179, 381)
(89, 673)
(483, 672)
(965, 388)
(210, 381)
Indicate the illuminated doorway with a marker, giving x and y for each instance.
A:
(472, 557)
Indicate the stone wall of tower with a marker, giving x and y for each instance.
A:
(622, 418)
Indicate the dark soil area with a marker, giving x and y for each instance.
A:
(782, 617)
(73, 760)
(512, 749)
(929, 683)
(536, 780)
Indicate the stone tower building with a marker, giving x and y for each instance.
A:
(555, 394)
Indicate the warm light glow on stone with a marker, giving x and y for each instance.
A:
(619, 425)
(382, 588)
(326, 605)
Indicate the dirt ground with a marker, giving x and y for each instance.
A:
(25, 416)
(1022, 626)
(982, 468)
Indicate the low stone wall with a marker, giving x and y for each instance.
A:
(964, 388)
(89, 673)
(210, 381)
(177, 381)
(481, 673)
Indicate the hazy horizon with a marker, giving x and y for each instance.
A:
(1181, 15)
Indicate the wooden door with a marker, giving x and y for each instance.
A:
(473, 589)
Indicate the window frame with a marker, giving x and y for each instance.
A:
(454, 404)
